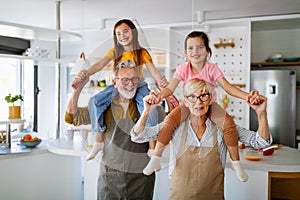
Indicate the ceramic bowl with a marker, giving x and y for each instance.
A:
(31, 144)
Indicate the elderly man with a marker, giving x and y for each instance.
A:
(123, 161)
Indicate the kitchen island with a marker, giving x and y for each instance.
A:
(272, 176)
(275, 176)
(39, 174)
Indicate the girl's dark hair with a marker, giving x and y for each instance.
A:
(203, 36)
(137, 48)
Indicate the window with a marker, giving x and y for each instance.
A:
(17, 77)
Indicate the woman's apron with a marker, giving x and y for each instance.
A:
(198, 173)
(122, 164)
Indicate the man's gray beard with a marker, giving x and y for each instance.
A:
(126, 94)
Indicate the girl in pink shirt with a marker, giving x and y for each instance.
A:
(197, 51)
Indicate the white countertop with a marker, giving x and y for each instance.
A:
(40, 149)
(64, 146)
(284, 159)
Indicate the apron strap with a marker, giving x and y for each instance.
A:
(182, 146)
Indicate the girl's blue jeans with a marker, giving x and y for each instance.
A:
(100, 102)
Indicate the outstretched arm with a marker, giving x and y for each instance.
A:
(262, 138)
(79, 78)
(161, 80)
(72, 106)
(261, 111)
(231, 89)
(139, 133)
(164, 93)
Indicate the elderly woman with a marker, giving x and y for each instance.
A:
(198, 151)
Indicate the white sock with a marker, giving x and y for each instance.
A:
(150, 152)
(98, 146)
(153, 165)
(239, 170)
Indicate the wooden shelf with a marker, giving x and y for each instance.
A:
(231, 44)
(266, 64)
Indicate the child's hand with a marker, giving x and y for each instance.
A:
(155, 97)
(79, 79)
(163, 82)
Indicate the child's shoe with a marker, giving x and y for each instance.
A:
(239, 170)
(98, 146)
(153, 165)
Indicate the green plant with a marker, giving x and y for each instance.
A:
(13, 99)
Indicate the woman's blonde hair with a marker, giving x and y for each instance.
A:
(196, 85)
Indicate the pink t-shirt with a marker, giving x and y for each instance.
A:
(210, 73)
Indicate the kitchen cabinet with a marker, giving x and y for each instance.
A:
(284, 185)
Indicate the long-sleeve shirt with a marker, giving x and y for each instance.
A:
(244, 135)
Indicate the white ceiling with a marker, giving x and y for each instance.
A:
(87, 14)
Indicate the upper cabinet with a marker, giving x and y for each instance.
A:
(41, 39)
(275, 35)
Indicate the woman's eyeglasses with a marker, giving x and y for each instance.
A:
(202, 98)
(125, 81)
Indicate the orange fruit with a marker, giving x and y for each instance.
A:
(27, 136)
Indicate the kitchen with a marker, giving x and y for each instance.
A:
(251, 50)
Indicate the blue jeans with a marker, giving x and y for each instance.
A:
(100, 102)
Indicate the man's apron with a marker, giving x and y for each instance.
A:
(122, 164)
(198, 173)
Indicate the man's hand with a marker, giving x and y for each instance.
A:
(80, 80)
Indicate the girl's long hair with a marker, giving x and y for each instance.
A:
(137, 48)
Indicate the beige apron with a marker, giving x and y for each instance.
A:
(198, 173)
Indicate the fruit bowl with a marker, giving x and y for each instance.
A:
(31, 144)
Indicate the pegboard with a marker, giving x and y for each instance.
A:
(233, 61)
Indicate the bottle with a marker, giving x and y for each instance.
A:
(30, 125)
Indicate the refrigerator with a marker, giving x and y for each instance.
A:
(279, 86)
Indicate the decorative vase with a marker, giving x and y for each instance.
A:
(14, 112)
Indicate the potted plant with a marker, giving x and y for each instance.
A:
(14, 111)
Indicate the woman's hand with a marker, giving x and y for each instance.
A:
(148, 105)
(254, 98)
(155, 97)
(259, 108)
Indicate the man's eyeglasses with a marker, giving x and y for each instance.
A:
(202, 98)
(125, 81)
